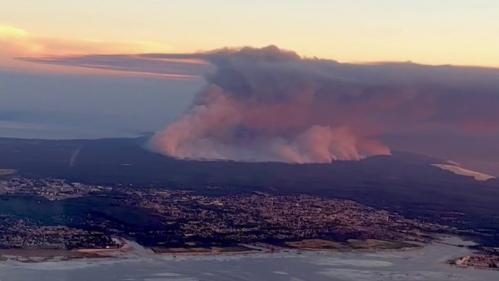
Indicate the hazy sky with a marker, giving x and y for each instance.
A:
(426, 31)
(106, 95)
(73, 106)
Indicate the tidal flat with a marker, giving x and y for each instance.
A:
(425, 263)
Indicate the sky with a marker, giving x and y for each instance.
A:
(463, 32)
(85, 69)
(68, 106)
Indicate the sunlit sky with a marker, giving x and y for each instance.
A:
(463, 32)
(73, 100)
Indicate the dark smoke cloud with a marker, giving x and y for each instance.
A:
(272, 105)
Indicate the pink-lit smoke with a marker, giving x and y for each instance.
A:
(221, 127)
(263, 105)
(271, 105)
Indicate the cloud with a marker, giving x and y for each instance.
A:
(17, 42)
(269, 104)
(176, 68)
(20, 49)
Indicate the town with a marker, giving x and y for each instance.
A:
(23, 234)
(478, 261)
(188, 219)
(51, 189)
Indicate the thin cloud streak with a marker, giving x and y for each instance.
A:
(19, 46)
(164, 67)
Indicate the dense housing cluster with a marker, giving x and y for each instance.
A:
(51, 189)
(23, 234)
(479, 261)
(86, 216)
(258, 217)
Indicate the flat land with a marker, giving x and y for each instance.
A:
(202, 250)
(7, 172)
(351, 244)
(43, 255)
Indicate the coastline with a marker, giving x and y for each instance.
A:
(54, 255)
(128, 248)
(131, 249)
(44, 255)
(422, 263)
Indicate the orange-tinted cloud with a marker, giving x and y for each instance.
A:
(16, 42)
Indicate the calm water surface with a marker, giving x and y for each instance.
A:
(421, 264)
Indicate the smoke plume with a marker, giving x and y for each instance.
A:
(272, 105)
(268, 105)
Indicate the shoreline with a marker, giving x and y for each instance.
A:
(44, 255)
(47, 255)
(132, 248)
(476, 261)
(423, 263)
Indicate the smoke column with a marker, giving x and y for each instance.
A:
(270, 104)
(264, 105)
